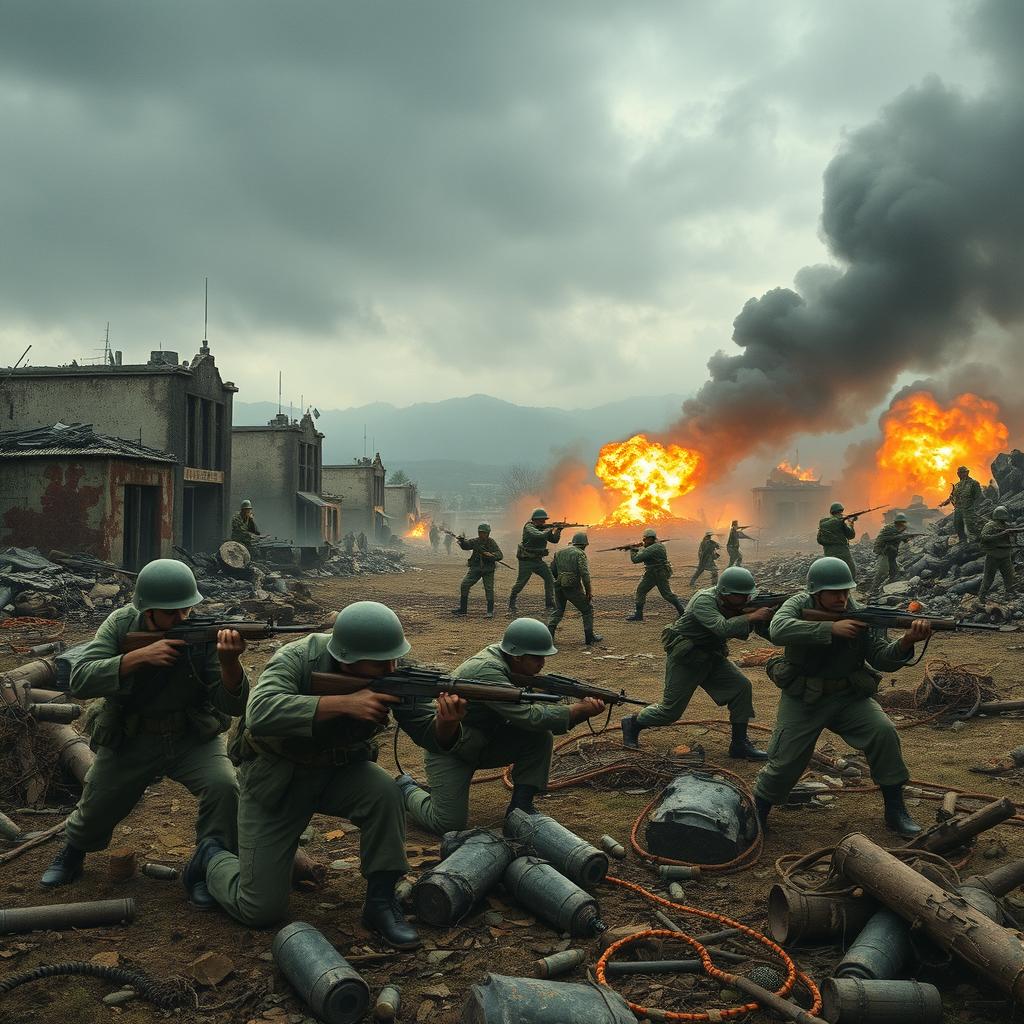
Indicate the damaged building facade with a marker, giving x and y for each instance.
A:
(790, 507)
(401, 506)
(360, 486)
(279, 468)
(180, 408)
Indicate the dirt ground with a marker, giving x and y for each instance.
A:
(167, 934)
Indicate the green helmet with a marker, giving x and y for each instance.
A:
(484, 528)
(1002, 513)
(167, 584)
(835, 507)
(829, 574)
(900, 517)
(735, 580)
(539, 513)
(367, 631)
(580, 539)
(245, 504)
(963, 469)
(527, 636)
(651, 533)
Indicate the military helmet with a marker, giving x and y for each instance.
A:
(1002, 513)
(962, 469)
(246, 504)
(539, 513)
(736, 580)
(829, 574)
(367, 631)
(580, 539)
(484, 528)
(709, 533)
(650, 533)
(527, 636)
(835, 507)
(167, 584)
(900, 517)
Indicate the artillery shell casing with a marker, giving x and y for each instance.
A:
(9, 829)
(559, 963)
(676, 891)
(389, 1002)
(612, 847)
(679, 872)
(161, 871)
(59, 916)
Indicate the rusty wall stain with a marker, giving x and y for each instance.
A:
(68, 510)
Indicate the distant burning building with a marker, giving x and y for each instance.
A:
(791, 502)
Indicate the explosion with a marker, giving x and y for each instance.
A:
(418, 531)
(649, 475)
(924, 442)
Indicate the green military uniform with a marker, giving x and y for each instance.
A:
(494, 735)
(827, 682)
(293, 767)
(697, 656)
(155, 722)
(657, 573)
(886, 547)
(998, 557)
(531, 553)
(349, 542)
(707, 555)
(482, 563)
(732, 545)
(447, 543)
(435, 536)
(834, 536)
(572, 585)
(361, 542)
(244, 531)
(966, 496)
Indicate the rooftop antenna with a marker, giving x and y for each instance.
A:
(364, 440)
(204, 349)
(278, 392)
(108, 359)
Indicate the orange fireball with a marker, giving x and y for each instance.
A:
(417, 531)
(924, 442)
(648, 475)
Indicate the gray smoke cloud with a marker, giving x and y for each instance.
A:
(924, 212)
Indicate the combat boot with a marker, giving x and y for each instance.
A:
(762, 808)
(637, 616)
(679, 607)
(66, 867)
(512, 610)
(552, 630)
(193, 875)
(631, 732)
(590, 637)
(741, 747)
(522, 799)
(897, 817)
(489, 614)
(459, 611)
(382, 913)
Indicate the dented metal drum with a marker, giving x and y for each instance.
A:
(503, 1000)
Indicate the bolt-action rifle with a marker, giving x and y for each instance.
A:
(633, 547)
(890, 618)
(201, 631)
(565, 686)
(565, 526)
(766, 600)
(411, 684)
(863, 512)
(462, 536)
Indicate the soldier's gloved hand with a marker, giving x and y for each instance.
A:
(230, 644)
(584, 709)
(161, 654)
(920, 630)
(848, 629)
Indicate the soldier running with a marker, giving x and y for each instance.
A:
(531, 553)
(482, 564)
(657, 572)
(707, 555)
(732, 542)
(572, 586)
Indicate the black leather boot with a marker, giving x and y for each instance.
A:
(637, 616)
(679, 607)
(522, 799)
(630, 732)
(897, 817)
(762, 808)
(193, 875)
(459, 611)
(741, 746)
(382, 913)
(66, 867)
(590, 637)
(489, 614)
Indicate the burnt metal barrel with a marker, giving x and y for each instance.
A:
(446, 893)
(59, 916)
(551, 896)
(324, 980)
(809, 918)
(881, 950)
(862, 1001)
(503, 1000)
(574, 857)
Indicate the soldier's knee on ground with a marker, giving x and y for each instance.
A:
(268, 911)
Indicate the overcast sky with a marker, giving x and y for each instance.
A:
(555, 203)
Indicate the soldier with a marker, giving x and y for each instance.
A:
(531, 552)
(361, 542)
(829, 675)
(835, 534)
(572, 585)
(997, 544)
(435, 537)
(243, 527)
(732, 543)
(992, 490)
(496, 734)
(482, 563)
(707, 555)
(302, 754)
(349, 541)
(447, 539)
(697, 651)
(657, 572)
(887, 547)
(164, 709)
(965, 497)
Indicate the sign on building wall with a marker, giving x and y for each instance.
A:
(203, 476)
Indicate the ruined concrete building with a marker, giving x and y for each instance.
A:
(175, 407)
(790, 507)
(919, 515)
(278, 467)
(72, 489)
(401, 505)
(360, 485)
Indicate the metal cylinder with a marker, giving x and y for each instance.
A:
(551, 896)
(72, 748)
(35, 674)
(161, 871)
(679, 872)
(447, 893)
(389, 1002)
(881, 950)
(559, 963)
(574, 857)
(55, 712)
(503, 1000)
(9, 830)
(859, 1001)
(324, 980)
(59, 916)
(612, 847)
(808, 918)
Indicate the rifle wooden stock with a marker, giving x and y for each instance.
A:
(206, 633)
(338, 683)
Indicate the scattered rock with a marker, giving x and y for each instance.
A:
(211, 968)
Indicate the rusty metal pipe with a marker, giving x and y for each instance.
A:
(62, 713)
(72, 748)
(60, 916)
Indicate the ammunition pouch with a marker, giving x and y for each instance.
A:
(299, 750)
(108, 724)
(862, 682)
(568, 580)
(526, 555)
